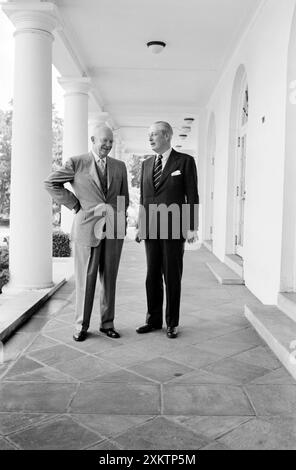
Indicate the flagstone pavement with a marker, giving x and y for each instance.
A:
(217, 386)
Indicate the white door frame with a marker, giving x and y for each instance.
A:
(240, 167)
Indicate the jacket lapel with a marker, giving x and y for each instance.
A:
(150, 166)
(171, 165)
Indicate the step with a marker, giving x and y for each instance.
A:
(208, 244)
(287, 303)
(224, 274)
(277, 330)
(16, 309)
(236, 263)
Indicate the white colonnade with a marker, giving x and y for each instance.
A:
(31, 210)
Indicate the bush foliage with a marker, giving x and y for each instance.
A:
(61, 247)
(4, 263)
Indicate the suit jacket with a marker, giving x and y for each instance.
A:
(177, 190)
(97, 210)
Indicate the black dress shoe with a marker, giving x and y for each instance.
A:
(110, 332)
(80, 336)
(147, 328)
(172, 332)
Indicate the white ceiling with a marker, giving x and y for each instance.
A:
(136, 87)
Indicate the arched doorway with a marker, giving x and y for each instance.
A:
(210, 180)
(288, 258)
(237, 165)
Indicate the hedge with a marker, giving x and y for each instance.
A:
(61, 247)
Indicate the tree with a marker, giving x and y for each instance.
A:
(5, 158)
(57, 155)
(57, 135)
(134, 165)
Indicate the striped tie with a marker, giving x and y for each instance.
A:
(157, 171)
(102, 164)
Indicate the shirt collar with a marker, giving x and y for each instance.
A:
(96, 156)
(166, 154)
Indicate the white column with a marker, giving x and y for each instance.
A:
(31, 209)
(75, 140)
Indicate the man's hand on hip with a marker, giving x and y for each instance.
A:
(192, 236)
(138, 239)
(76, 208)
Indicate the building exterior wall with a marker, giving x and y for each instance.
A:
(263, 51)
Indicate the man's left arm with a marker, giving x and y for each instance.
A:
(192, 199)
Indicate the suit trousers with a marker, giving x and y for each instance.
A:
(104, 259)
(164, 259)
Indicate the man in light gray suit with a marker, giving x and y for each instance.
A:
(100, 203)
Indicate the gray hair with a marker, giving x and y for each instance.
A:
(98, 128)
(167, 128)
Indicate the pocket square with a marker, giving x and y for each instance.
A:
(176, 173)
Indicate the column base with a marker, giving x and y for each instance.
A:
(11, 288)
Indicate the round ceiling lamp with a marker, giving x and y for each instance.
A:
(189, 120)
(186, 129)
(156, 46)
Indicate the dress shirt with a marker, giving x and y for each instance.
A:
(165, 157)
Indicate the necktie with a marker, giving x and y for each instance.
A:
(157, 171)
(102, 164)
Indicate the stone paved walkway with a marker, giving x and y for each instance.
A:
(215, 387)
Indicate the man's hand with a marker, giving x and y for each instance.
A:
(137, 238)
(192, 236)
(76, 208)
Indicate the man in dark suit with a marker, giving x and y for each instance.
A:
(168, 216)
(100, 203)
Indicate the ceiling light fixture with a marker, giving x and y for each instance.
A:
(189, 120)
(182, 136)
(156, 46)
(186, 129)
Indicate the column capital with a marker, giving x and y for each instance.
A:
(98, 117)
(26, 17)
(75, 85)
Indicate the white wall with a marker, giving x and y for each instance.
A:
(263, 52)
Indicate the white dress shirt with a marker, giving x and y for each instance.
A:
(165, 157)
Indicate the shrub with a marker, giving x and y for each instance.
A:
(4, 263)
(4, 257)
(4, 278)
(61, 247)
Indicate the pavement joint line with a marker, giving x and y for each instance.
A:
(132, 426)
(29, 426)
(72, 397)
(223, 434)
(249, 399)
(136, 426)
(11, 443)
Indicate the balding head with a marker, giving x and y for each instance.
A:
(102, 139)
